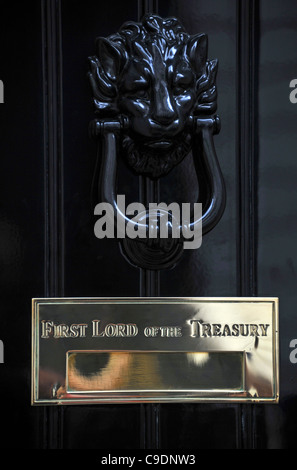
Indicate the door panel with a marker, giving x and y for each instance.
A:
(277, 195)
(21, 216)
(200, 427)
(48, 194)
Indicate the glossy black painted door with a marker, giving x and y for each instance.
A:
(47, 238)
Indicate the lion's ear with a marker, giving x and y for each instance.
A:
(197, 52)
(111, 57)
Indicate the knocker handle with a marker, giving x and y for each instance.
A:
(160, 254)
(100, 127)
(196, 124)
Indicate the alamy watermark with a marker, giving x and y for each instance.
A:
(160, 221)
(293, 355)
(293, 94)
(1, 92)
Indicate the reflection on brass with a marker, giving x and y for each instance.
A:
(111, 372)
(152, 371)
(154, 350)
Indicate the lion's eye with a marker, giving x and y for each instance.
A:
(182, 81)
(144, 94)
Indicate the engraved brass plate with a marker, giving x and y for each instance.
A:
(154, 350)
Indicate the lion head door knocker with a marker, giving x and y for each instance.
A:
(155, 95)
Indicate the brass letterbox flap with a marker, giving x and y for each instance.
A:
(135, 350)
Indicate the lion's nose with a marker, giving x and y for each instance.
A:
(163, 111)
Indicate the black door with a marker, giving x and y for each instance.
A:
(48, 247)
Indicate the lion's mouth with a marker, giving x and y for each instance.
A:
(156, 157)
(160, 144)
